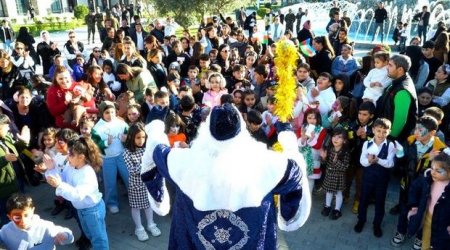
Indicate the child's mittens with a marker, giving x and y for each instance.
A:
(412, 212)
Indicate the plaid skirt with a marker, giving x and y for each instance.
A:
(334, 181)
(138, 196)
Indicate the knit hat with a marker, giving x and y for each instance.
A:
(225, 122)
(104, 106)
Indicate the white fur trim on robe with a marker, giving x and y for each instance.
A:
(288, 141)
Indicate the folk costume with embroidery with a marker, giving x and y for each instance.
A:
(225, 185)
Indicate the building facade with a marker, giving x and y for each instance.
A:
(20, 8)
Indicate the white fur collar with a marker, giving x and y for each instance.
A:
(234, 179)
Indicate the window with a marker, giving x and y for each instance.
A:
(56, 6)
(22, 7)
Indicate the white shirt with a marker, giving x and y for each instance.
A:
(140, 41)
(79, 186)
(386, 163)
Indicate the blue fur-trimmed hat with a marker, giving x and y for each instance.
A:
(225, 122)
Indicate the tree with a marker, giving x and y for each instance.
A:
(187, 13)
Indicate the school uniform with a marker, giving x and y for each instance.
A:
(375, 179)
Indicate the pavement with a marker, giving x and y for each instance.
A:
(317, 233)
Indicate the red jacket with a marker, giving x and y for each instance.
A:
(55, 103)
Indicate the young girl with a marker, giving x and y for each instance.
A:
(110, 79)
(60, 165)
(337, 159)
(109, 133)
(269, 120)
(133, 114)
(174, 128)
(340, 86)
(377, 79)
(249, 102)
(310, 142)
(216, 88)
(81, 188)
(86, 126)
(237, 97)
(48, 141)
(47, 146)
(341, 114)
(137, 194)
(250, 60)
(429, 206)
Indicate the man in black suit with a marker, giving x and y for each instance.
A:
(138, 36)
(424, 20)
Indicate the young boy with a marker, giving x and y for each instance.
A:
(148, 102)
(203, 62)
(377, 158)
(254, 121)
(359, 132)
(403, 37)
(396, 34)
(422, 147)
(159, 109)
(323, 95)
(27, 230)
(437, 114)
(192, 77)
(238, 81)
(191, 121)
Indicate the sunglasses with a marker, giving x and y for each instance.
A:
(71, 36)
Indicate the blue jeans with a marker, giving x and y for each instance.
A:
(422, 30)
(112, 165)
(375, 31)
(93, 224)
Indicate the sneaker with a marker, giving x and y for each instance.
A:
(154, 230)
(326, 211)
(398, 239)
(58, 209)
(355, 207)
(417, 244)
(359, 226)
(113, 209)
(395, 210)
(335, 214)
(141, 234)
(377, 231)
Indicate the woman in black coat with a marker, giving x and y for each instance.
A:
(29, 41)
(322, 60)
(156, 67)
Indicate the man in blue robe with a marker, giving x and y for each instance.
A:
(225, 185)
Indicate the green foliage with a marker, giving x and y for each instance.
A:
(187, 13)
(80, 11)
(35, 28)
(261, 12)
